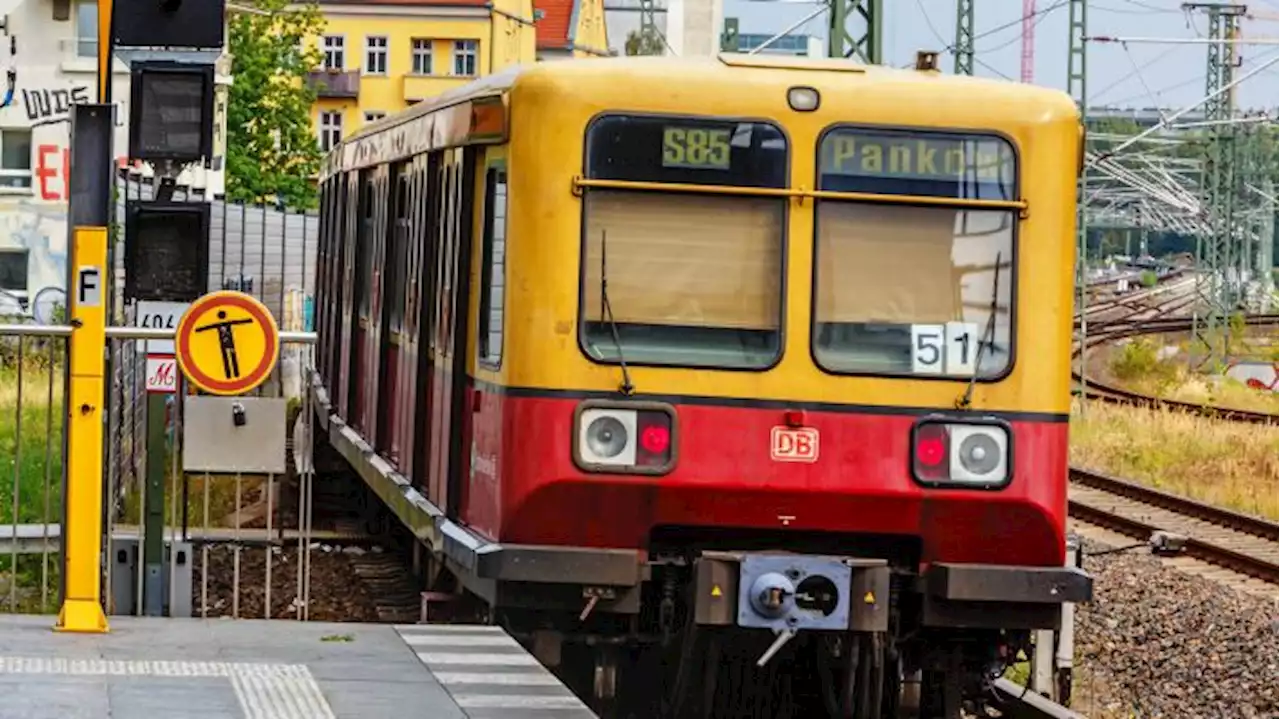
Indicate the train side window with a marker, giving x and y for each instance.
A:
(493, 267)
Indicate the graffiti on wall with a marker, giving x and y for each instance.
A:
(41, 229)
(53, 171)
(49, 106)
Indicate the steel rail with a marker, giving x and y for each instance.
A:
(1142, 526)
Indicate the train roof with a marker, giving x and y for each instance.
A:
(601, 75)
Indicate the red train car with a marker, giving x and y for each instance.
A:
(767, 364)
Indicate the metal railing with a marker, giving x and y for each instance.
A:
(251, 536)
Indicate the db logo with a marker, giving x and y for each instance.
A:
(792, 444)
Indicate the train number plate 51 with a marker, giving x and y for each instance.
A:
(794, 444)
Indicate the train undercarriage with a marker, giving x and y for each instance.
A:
(721, 634)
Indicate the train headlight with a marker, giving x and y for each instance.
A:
(608, 437)
(961, 454)
(627, 437)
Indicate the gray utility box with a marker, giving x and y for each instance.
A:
(234, 434)
(176, 583)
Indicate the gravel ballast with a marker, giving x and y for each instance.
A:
(1158, 642)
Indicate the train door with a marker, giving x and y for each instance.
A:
(484, 432)
(449, 372)
(430, 242)
(351, 277)
(377, 301)
(390, 398)
(416, 212)
(334, 286)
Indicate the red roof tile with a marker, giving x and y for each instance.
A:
(553, 28)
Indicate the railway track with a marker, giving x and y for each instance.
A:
(1132, 325)
(1241, 543)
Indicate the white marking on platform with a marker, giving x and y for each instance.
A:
(516, 701)
(509, 679)
(480, 666)
(460, 640)
(265, 691)
(449, 629)
(501, 660)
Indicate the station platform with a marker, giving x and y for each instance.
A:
(161, 668)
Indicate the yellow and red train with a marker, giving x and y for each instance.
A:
(687, 360)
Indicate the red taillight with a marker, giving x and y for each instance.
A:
(655, 439)
(654, 430)
(930, 452)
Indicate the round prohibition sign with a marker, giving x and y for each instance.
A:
(227, 343)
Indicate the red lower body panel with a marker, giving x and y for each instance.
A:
(527, 489)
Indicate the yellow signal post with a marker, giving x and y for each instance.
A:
(82, 547)
(89, 211)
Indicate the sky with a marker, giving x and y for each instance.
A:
(1140, 75)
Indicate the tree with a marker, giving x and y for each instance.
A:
(272, 154)
(639, 43)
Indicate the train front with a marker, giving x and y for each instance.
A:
(837, 411)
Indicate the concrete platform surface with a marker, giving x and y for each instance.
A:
(157, 668)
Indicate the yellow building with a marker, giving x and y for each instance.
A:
(380, 56)
(571, 29)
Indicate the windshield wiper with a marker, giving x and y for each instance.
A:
(606, 311)
(988, 337)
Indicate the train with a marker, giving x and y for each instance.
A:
(731, 386)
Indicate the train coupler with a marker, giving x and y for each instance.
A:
(789, 593)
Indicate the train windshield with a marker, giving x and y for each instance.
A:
(682, 278)
(914, 289)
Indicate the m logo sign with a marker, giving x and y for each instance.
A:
(794, 444)
(162, 374)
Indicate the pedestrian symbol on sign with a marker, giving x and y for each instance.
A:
(226, 337)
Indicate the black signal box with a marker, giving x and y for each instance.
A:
(185, 24)
(166, 250)
(171, 115)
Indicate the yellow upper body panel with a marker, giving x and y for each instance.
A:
(551, 106)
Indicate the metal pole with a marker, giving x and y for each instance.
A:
(154, 502)
(90, 180)
(866, 46)
(1076, 72)
(964, 37)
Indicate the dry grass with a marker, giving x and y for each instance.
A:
(1228, 464)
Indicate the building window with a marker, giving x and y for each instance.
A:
(15, 159)
(374, 116)
(330, 130)
(375, 56)
(13, 270)
(334, 53)
(421, 56)
(464, 57)
(87, 28)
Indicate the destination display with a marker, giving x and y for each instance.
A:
(686, 150)
(972, 167)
